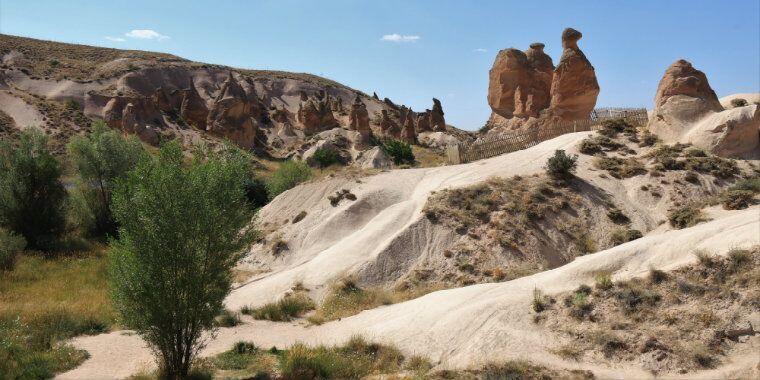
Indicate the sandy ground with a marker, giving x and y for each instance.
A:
(25, 115)
(468, 326)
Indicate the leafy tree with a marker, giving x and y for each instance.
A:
(11, 246)
(561, 166)
(32, 196)
(182, 229)
(256, 192)
(287, 176)
(100, 159)
(325, 157)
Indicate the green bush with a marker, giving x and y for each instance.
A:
(11, 246)
(737, 199)
(561, 165)
(100, 158)
(684, 216)
(287, 176)
(255, 190)
(182, 230)
(399, 151)
(32, 196)
(285, 309)
(325, 157)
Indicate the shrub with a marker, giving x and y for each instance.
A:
(657, 276)
(738, 102)
(287, 176)
(737, 199)
(32, 195)
(611, 127)
(227, 319)
(325, 157)
(603, 281)
(11, 246)
(561, 165)
(595, 144)
(182, 230)
(748, 184)
(625, 235)
(255, 192)
(285, 309)
(630, 298)
(100, 158)
(540, 302)
(619, 167)
(399, 151)
(617, 216)
(684, 216)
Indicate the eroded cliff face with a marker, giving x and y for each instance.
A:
(160, 97)
(526, 85)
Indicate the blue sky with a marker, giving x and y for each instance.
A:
(434, 48)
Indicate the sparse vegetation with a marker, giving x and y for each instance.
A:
(620, 167)
(287, 308)
(325, 157)
(624, 235)
(11, 246)
(31, 192)
(287, 176)
(738, 102)
(399, 151)
(603, 281)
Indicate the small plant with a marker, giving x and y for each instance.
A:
(657, 276)
(11, 246)
(621, 236)
(561, 166)
(737, 199)
(701, 355)
(256, 192)
(227, 319)
(737, 258)
(738, 102)
(540, 301)
(287, 176)
(684, 216)
(603, 281)
(285, 309)
(617, 216)
(705, 258)
(325, 157)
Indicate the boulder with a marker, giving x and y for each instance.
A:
(574, 87)
(730, 133)
(235, 114)
(437, 122)
(373, 158)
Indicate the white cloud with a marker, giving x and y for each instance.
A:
(115, 39)
(395, 37)
(480, 50)
(145, 34)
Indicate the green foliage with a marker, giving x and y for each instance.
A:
(603, 281)
(256, 192)
(684, 216)
(11, 246)
(32, 196)
(399, 151)
(287, 176)
(325, 157)
(100, 158)
(561, 165)
(285, 309)
(182, 229)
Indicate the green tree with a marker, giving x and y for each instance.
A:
(100, 158)
(561, 166)
(287, 176)
(182, 230)
(32, 196)
(399, 151)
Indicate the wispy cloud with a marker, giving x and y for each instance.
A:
(115, 39)
(480, 50)
(146, 34)
(395, 37)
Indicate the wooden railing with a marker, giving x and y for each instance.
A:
(497, 144)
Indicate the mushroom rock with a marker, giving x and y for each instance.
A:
(574, 87)
(540, 60)
(437, 122)
(314, 114)
(423, 121)
(515, 86)
(131, 124)
(358, 119)
(234, 114)
(388, 126)
(192, 108)
(408, 133)
(687, 110)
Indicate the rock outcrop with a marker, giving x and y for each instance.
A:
(133, 115)
(192, 108)
(408, 133)
(235, 114)
(574, 87)
(687, 110)
(358, 119)
(314, 114)
(437, 121)
(526, 85)
(423, 121)
(388, 127)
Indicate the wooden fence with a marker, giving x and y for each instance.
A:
(497, 144)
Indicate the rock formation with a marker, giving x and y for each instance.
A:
(358, 119)
(314, 114)
(423, 121)
(525, 85)
(192, 108)
(235, 114)
(408, 134)
(437, 122)
(574, 87)
(133, 115)
(388, 127)
(687, 110)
